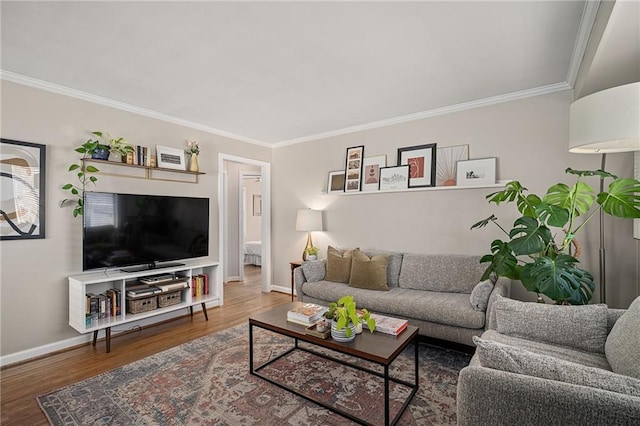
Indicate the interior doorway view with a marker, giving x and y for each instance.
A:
(244, 220)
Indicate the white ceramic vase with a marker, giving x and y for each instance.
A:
(341, 335)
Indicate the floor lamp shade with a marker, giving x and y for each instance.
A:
(308, 220)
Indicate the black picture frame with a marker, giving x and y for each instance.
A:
(421, 160)
(24, 164)
(353, 169)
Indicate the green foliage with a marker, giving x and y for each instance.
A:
(344, 312)
(533, 255)
(312, 250)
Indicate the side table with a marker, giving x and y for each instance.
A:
(294, 265)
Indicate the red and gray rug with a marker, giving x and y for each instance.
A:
(207, 382)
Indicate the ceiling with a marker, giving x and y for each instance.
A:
(275, 73)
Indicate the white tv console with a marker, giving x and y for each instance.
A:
(103, 280)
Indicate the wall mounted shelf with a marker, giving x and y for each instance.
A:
(499, 184)
(135, 171)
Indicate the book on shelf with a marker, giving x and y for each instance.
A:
(199, 285)
(306, 314)
(388, 325)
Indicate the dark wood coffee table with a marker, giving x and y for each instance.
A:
(379, 348)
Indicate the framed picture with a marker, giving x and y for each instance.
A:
(353, 168)
(481, 171)
(446, 161)
(336, 181)
(257, 205)
(422, 164)
(22, 166)
(170, 158)
(394, 178)
(371, 172)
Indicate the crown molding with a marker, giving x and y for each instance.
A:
(100, 100)
(589, 14)
(543, 90)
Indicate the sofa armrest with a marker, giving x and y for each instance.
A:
(502, 287)
(299, 280)
(488, 397)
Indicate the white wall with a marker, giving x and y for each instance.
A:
(34, 287)
(530, 139)
(253, 231)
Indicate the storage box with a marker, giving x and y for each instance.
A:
(142, 304)
(168, 299)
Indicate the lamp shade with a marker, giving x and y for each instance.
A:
(606, 121)
(309, 220)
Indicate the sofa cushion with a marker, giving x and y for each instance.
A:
(394, 264)
(589, 359)
(623, 343)
(479, 298)
(338, 265)
(440, 272)
(368, 272)
(581, 327)
(314, 270)
(520, 361)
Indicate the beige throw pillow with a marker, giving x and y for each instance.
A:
(369, 272)
(338, 265)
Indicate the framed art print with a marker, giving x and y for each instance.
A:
(22, 201)
(394, 178)
(481, 171)
(353, 168)
(371, 172)
(170, 158)
(336, 181)
(446, 161)
(421, 160)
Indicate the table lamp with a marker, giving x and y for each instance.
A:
(308, 220)
(603, 122)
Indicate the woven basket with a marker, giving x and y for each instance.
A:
(169, 299)
(145, 304)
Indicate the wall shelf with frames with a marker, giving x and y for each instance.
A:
(499, 184)
(134, 171)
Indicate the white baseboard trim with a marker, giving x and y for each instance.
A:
(281, 289)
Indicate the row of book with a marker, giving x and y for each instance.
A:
(199, 285)
(140, 156)
(103, 306)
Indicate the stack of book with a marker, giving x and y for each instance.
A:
(307, 314)
(388, 325)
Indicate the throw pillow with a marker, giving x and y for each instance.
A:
(369, 272)
(480, 295)
(338, 265)
(314, 270)
(512, 359)
(581, 327)
(623, 343)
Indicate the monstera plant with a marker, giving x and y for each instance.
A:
(544, 259)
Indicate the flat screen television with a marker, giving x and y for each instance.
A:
(142, 231)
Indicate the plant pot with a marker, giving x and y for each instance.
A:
(341, 335)
(359, 328)
(312, 257)
(100, 154)
(116, 157)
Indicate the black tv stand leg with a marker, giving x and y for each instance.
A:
(204, 311)
(107, 338)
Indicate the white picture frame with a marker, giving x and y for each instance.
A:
(394, 178)
(476, 172)
(170, 158)
(371, 172)
(336, 181)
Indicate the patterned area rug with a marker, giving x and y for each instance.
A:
(207, 381)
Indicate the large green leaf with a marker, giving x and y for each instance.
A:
(484, 222)
(528, 236)
(503, 261)
(552, 215)
(603, 174)
(509, 193)
(623, 198)
(577, 199)
(559, 279)
(527, 205)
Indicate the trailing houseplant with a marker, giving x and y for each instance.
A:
(543, 260)
(346, 316)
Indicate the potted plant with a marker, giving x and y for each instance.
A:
(312, 252)
(84, 174)
(193, 150)
(545, 261)
(118, 147)
(345, 318)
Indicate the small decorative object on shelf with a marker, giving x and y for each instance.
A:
(193, 149)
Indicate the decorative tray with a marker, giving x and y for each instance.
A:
(313, 331)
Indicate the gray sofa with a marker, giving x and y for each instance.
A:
(554, 365)
(433, 292)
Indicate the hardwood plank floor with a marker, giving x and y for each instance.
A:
(22, 383)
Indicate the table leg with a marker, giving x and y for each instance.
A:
(251, 349)
(386, 395)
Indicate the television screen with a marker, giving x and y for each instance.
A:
(128, 229)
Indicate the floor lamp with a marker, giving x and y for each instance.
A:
(308, 220)
(601, 123)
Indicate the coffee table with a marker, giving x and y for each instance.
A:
(378, 348)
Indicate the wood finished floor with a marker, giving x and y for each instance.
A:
(22, 383)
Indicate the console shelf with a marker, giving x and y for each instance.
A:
(99, 282)
(135, 171)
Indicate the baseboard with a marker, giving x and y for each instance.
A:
(281, 289)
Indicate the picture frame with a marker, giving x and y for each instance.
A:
(353, 168)
(170, 158)
(371, 172)
(480, 171)
(446, 163)
(422, 164)
(394, 178)
(336, 181)
(257, 204)
(22, 173)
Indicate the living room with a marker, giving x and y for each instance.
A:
(527, 133)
